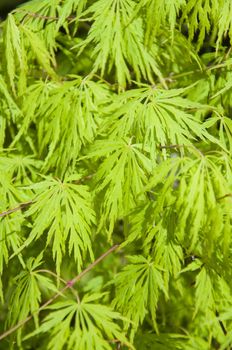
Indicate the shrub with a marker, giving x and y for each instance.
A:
(116, 175)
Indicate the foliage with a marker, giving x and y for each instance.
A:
(116, 128)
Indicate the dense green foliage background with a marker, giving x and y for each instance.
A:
(116, 129)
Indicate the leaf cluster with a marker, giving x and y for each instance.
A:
(116, 128)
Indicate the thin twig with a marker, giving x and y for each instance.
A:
(87, 177)
(61, 291)
(225, 196)
(26, 204)
(53, 18)
(19, 207)
(74, 291)
(51, 273)
(37, 15)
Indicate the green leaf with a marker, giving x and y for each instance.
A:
(118, 42)
(63, 211)
(119, 179)
(26, 296)
(156, 118)
(39, 50)
(138, 287)
(13, 49)
(94, 325)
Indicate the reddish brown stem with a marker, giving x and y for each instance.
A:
(225, 196)
(26, 204)
(19, 207)
(61, 291)
(38, 15)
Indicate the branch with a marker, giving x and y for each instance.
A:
(37, 15)
(52, 18)
(225, 196)
(61, 291)
(26, 204)
(19, 207)
(59, 278)
(84, 178)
